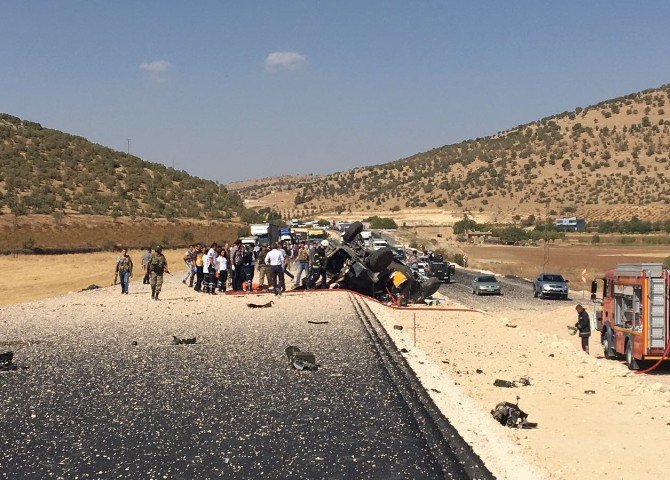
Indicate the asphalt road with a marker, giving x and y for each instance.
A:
(93, 405)
(517, 293)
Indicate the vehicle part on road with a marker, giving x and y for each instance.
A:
(314, 322)
(352, 232)
(352, 266)
(510, 415)
(183, 341)
(92, 286)
(301, 360)
(397, 327)
(260, 305)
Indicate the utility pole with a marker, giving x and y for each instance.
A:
(128, 139)
(546, 236)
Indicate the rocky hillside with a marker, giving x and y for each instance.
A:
(606, 161)
(51, 172)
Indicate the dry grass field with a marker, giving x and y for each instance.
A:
(74, 231)
(569, 260)
(32, 277)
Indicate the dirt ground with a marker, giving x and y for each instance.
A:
(31, 277)
(566, 259)
(580, 434)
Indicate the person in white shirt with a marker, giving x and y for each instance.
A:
(208, 284)
(276, 259)
(222, 270)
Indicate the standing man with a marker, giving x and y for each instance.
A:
(124, 270)
(156, 267)
(199, 268)
(303, 264)
(145, 262)
(238, 274)
(262, 268)
(248, 267)
(584, 326)
(188, 261)
(276, 259)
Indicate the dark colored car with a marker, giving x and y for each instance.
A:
(441, 270)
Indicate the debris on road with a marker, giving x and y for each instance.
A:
(301, 360)
(510, 415)
(397, 327)
(183, 341)
(6, 362)
(260, 305)
(314, 322)
(523, 381)
(92, 286)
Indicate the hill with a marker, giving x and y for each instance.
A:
(608, 161)
(44, 171)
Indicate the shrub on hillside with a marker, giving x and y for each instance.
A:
(382, 223)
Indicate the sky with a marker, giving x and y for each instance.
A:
(231, 90)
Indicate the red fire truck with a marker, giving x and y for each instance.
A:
(633, 318)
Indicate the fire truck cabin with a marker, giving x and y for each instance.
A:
(634, 315)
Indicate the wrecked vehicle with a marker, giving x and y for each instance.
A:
(350, 265)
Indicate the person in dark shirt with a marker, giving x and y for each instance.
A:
(584, 326)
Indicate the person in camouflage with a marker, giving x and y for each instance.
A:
(156, 267)
(124, 270)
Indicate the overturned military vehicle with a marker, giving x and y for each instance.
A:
(350, 265)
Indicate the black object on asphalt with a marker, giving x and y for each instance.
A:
(301, 360)
(92, 286)
(183, 341)
(6, 362)
(314, 322)
(510, 415)
(260, 305)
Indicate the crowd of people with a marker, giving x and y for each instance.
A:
(234, 267)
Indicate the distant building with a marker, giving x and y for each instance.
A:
(570, 224)
(476, 237)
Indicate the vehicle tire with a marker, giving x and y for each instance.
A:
(429, 287)
(379, 260)
(607, 348)
(630, 360)
(534, 293)
(564, 297)
(352, 232)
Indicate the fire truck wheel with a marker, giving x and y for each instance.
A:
(630, 360)
(607, 348)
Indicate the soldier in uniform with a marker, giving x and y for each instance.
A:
(155, 268)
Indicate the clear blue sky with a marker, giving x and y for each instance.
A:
(238, 89)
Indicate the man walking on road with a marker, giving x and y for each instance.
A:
(145, 262)
(156, 267)
(124, 270)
